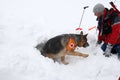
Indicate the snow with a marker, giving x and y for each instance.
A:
(25, 23)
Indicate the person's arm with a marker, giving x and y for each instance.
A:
(99, 40)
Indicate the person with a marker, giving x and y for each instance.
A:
(109, 29)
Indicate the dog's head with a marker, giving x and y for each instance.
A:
(83, 40)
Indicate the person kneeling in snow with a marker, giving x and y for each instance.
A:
(109, 29)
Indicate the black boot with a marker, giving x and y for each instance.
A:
(119, 56)
(113, 51)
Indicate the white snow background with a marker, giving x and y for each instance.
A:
(25, 23)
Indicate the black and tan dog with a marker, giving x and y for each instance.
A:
(59, 46)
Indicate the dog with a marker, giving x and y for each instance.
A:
(61, 45)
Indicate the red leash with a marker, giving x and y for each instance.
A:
(88, 28)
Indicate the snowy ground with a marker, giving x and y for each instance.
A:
(25, 23)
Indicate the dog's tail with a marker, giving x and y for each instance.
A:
(40, 47)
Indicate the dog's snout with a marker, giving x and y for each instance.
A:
(86, 45)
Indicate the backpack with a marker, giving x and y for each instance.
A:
(109, 19)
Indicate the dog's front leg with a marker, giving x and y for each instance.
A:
(63, 60)
(79, 54)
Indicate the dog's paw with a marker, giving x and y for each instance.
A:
(85, 55)
(65, 63)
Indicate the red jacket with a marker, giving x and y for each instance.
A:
(114, 22)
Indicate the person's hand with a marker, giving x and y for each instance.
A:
(98, 43)
(107, 52)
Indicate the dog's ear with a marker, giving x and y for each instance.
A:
(81, 33)
(85, 35)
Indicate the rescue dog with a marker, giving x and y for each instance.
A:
(59, 46)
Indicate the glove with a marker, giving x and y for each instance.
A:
(98, 43)
(108, 50)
